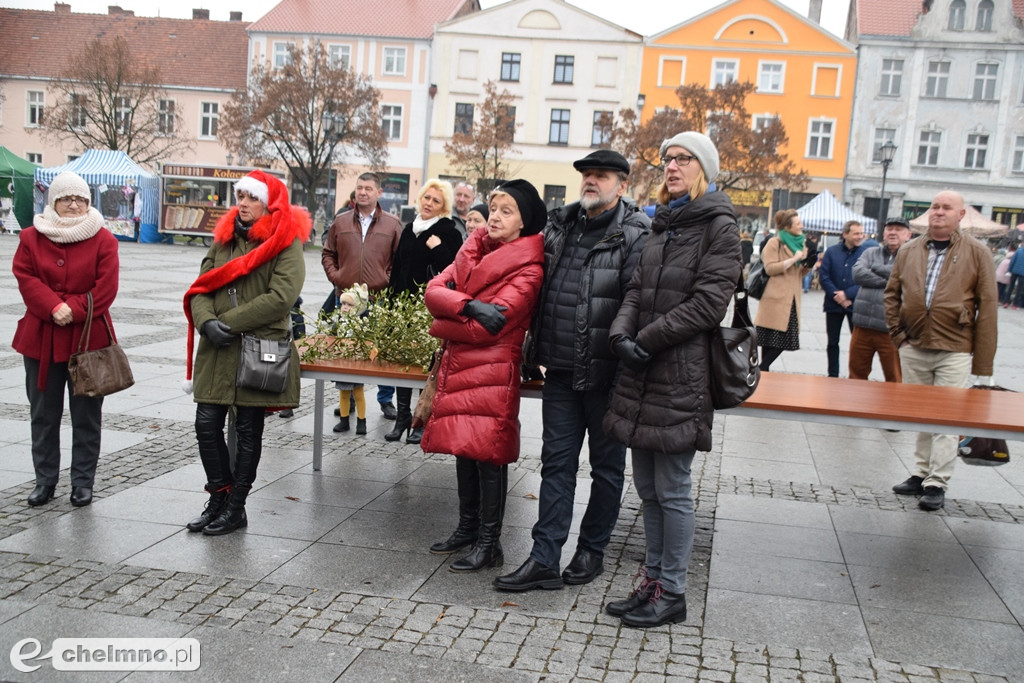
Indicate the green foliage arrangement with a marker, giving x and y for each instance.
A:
(394, 329)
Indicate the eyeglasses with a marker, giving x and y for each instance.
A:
(68, 201)
(680, 159)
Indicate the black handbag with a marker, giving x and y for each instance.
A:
(757, 280)
(733, 366)
(263, 364)
(99, 372)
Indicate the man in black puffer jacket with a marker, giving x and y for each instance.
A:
(591, 248)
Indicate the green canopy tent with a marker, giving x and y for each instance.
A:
(17, 177)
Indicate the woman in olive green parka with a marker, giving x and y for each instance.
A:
(248, 282)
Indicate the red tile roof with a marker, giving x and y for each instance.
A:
(385, 18)
(897, 17)
(189, 52)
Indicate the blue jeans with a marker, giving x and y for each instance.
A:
(385, 394)
(808, 279)
(663, 481)
(568, 416)
(834, 327)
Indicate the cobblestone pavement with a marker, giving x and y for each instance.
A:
(347, 591)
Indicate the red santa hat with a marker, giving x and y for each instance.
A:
(275, 231)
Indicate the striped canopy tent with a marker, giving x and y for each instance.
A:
(973, 224)
(107, 169)
(826, 214)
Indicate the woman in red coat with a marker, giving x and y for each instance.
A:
(63, 257)
(482, 306)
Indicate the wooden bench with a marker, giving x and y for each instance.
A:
(779, 396)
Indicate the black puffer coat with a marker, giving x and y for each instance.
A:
(675, 298)
(607, 271)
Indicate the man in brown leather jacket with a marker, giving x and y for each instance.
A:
(941, 307)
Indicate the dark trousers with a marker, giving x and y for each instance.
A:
(213, 448)
(1015, 294)
(833, 326)
(569, 416)
(46, 408)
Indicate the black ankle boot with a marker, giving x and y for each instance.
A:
(360, 426)
(403, 397)
(232, 516)
(415, 436)
(469, 509)
(342, 426)
(487, 550)
(218, 496)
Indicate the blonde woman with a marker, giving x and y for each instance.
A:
(427, 246)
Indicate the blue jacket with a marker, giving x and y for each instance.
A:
(836, 273)
(1017, 263)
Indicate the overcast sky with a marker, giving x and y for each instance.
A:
(646, 17)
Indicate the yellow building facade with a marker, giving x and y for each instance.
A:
(803, 74)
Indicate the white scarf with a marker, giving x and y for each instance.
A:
(419, 226)
(68, 230)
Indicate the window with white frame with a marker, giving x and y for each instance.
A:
(123, 114)
(769, 80)
(34, 108)
(165, 117)
(762, 121)
(1018, 155)
(79, 117)
(892, 77)
(209, 116)
(938, 79)
(671, 71)
(977, 147)
(724, 71)
(602, 131)
(35, 157)
(282, 54)
(564, 66)
(928, 148)
(463, 117)
(391, 121)
(394, 61)
(559, 131)
(882, 135)
(957, 12)
(819, 139)
(340, 56)
(985, 81)
(984, 22)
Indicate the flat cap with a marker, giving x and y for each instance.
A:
(603, 158)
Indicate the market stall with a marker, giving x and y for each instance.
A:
(126, 194)
(16, 177)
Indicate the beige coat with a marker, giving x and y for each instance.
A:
(784, 286)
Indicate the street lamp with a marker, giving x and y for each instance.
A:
(333, 128)
(888, 152)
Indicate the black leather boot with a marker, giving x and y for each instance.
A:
(415, 436)
(487, 550)
(469, 509)
(360, 426)
(218, 496)
(403, 397)
(232, 515)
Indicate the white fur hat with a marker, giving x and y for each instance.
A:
(68, 184)
(255, 187)
(700, 146)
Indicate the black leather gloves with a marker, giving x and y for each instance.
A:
(218, 333)
(630, 353)
(488, 315)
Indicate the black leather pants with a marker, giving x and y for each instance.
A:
(213, 448)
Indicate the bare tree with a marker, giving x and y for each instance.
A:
(107, 99)
(481, 153)
(308, 113)
(750, 156)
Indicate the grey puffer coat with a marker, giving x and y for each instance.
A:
(871, 272)
(607, 271)
(676, 297)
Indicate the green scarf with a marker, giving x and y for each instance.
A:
(794, 242)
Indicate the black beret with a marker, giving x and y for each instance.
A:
(603, 158)
(482, 210)
(531, 207)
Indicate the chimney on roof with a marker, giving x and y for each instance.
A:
(61, 8)
(235, 16)
(200, 14)
(114, 9)
(814, 11)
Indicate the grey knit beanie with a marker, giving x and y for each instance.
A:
(700, 146)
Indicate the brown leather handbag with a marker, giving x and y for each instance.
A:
(102, 371)
(425, 402)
